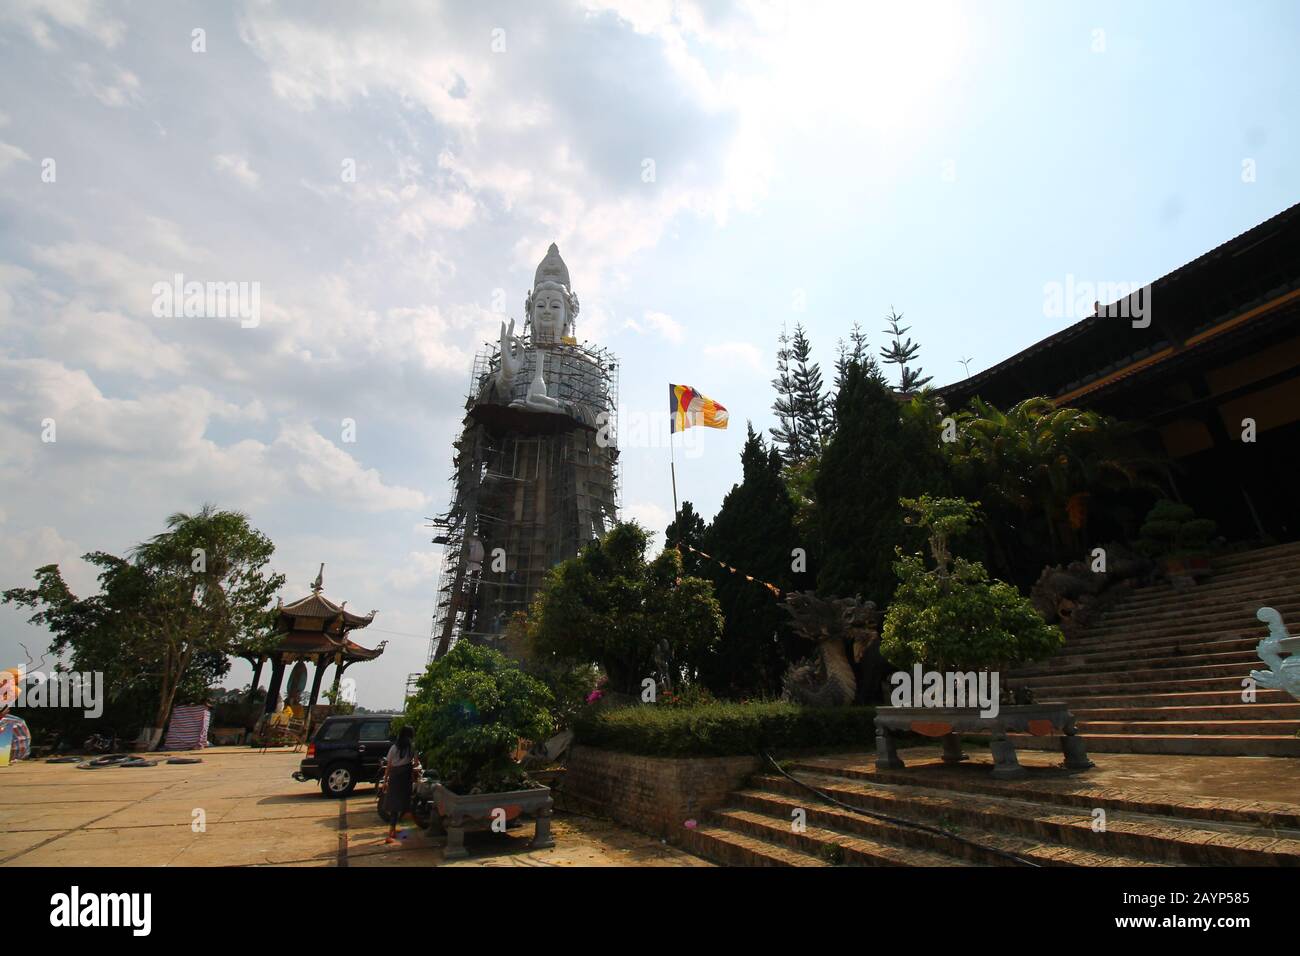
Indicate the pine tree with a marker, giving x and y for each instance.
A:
(787, 433)
(812, 404)
(875, 458)
(687, 529)
(901, 353)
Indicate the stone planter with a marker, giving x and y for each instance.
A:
(1041, 720)
(477, 811)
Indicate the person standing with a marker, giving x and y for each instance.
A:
(401, 770)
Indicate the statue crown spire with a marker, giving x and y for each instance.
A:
(320, 580)
(552, 268)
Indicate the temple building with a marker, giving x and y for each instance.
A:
(534, 472)
(1212, 366)
(312, 630)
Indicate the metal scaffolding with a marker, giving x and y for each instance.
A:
(528, 491)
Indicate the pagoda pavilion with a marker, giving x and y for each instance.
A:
(313, 629)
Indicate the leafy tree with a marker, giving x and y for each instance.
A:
(1036, 466)
(167, 617)
(470, 710)
(753, 531)
(876, 457)
(634, 618)
(903, 353)
(951, 615)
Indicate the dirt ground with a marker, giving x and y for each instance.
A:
(240, 807)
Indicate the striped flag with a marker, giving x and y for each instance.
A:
(688, 407)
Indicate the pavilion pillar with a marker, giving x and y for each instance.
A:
(273, 689)
(321, 664)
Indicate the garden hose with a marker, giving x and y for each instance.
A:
(899, 821)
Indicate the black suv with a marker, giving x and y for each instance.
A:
(346, 751)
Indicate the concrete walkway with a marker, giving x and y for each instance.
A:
(240, 807)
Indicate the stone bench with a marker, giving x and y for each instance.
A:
(1040, 720)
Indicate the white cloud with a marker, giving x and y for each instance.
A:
(660, 323)
(121, 88)
(10, 154)
(87, 17)
(332, 474)
(744, 353)
(237, 168)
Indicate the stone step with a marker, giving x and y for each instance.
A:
(1278, 584)
(732, 848)
(1139, 661)
(1248, 726)
(1080, 792)
(1201, 745)
(1204, 698)
(1220, 712)
(1081, 691)
(1151, 838)
(1191, 620)
(822, 841)
(1181, 649)
(1241, 637)
(1177, 671)
(1237, 558)
(946, 850)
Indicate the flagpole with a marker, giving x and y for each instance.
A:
(672, 465)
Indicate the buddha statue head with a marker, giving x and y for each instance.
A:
(551, 305)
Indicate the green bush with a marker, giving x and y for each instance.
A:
(954, 615)
(1172, 530)
(469, 713)
(724, 729)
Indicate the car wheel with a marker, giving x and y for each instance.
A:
(338, 780)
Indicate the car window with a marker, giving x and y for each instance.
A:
(334, 730)
(374, 730)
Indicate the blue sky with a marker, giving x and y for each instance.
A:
(812, 162)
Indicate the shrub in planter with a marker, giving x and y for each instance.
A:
(469, 712)
(952, 615)
(1172, 531)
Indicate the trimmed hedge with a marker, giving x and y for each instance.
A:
(725, 729)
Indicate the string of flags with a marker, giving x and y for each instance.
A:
(748, 577)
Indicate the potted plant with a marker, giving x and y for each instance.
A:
(957, 629)
(1178, 540)
(470, 711)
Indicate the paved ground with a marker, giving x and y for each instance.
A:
(240, 808)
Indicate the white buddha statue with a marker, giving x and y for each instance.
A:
(551, 351)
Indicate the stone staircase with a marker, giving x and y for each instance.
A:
(1049, 821)
(1161, 671)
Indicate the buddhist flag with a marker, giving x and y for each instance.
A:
(688, 407)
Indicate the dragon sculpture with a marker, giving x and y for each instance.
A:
(827, 679)
(1281, 674)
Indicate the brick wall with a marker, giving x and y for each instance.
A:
(653, 794)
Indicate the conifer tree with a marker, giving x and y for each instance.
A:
(902, 353)
(687, 529)
(787, 433)
(813, 419)
(753, 531)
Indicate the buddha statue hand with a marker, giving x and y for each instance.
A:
(512, 357)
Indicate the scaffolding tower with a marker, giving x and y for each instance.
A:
(528, 491)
